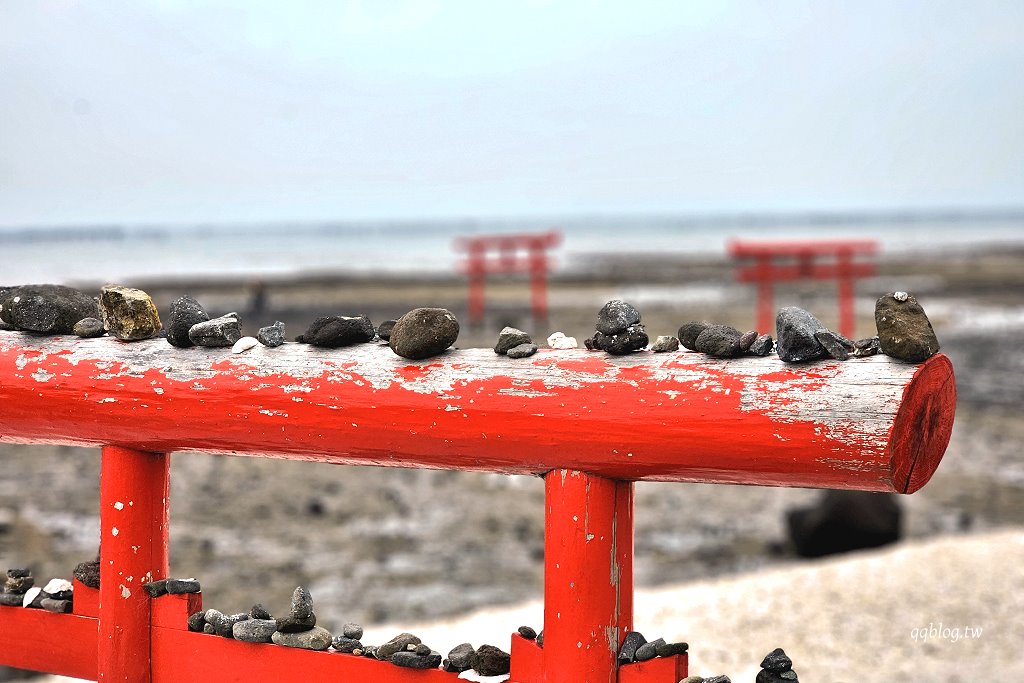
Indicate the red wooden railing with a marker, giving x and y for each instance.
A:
(804, 260)
(591, 424)
(524, 253)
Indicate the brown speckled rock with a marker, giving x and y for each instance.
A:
(128, 314)
(424, 333)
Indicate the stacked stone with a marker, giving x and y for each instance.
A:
(18, 583)
(802, 337)
(636, 648)
(423, 333)
(723, 341)
(56, 596)
(349, 639)
(299, 628)
(701, 679)
(88, 573)
(406, 650)
(619, 330)
(163, 587)
(514, 343)
(776, 667)
(486, 660)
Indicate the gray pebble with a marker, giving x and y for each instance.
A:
(795, 328)
(316, 638)
(56, 606)
(196, 621)
(185, 312)
(904, 331)
(49, 309)
(183, 586)
(460, 658)
(352, 630)
(862, 348)
(648, 650)
(747, 340)
(718, 679)
(384, 329)
(777, 660)
(630, 644)
(412, 660)
(762, 346)
(491, 661)
(396, 644)
(665, 344)
(527, 632)
(215, 333)
(11, 599)
(272, 335)
(254, 630)
(616, 316)
(522, 351)
(720, 341)
(89, 327)
(302, 603)
(689, 331)
(424, 333)
(88, 573)
(670, 649)
(830, 341)
(633, 338)
(509, 338)
(258, 611)
(156, 589)
(346, 644)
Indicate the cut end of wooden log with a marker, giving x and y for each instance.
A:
(923, 424)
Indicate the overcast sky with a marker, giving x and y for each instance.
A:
(179, 110)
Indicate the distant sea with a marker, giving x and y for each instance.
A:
(127, 252)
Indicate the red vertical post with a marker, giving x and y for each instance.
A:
(133, 550)
(844, 272)
(765, 296)
(477, 267)
(538, 282)
(588, 575)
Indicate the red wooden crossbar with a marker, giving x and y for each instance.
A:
(508, 260)
(591, 424)
(804, 260)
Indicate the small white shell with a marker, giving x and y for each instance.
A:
(244, 344)
(558, 340)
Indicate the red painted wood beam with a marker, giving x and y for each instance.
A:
(133, 550)
(873, 424)
(62, 644)
(754, 248)
(762, 272)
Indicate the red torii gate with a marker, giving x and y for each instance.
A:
(478, 265)
(875, 424)
(803, 260)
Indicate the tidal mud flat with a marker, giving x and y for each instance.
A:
(376, 545)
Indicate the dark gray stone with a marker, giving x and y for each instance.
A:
(217, 332)
(904, 331)
(88, 328)
(670, 649)
(540, 638)
(522, 351)
(128, 313)
(718, 679)
(509, 338)
(788, 675)
(182, 586)
(384, 329)
(11, 599)
(18, 584)
(156, 589)
(421, 649)
(254, 630)
(18, 573)
(223, 623)
(832, 344)
(862, 348)
(208, 628)
(720, 341)
(747, 340)
(291, 624)
(762, 346)
(335, 331)
(271, 335)
(55, 605)
(794, 329)
(185, 312)
(491, 661)
(777, 661)
(88, 573)
(615, 316)
(764, 676)
(527, 632)
(648, 650)
(352, 630)
(664, 344)
(48, 309)
(316, 638)
(630, 644)
(196, 621)
(460, 658)
(689, 331)
(346, 644)
(302, 603)
(424, 333)
(258, 611)
(396, 644)
(633, 338)
(412, 660)
(842, 521)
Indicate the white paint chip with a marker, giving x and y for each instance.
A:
(119, 505)
(125, 593)
(114, 531)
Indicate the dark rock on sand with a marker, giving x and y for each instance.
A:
(633, 338)
(842, 521)
(316, 638)
(615, 316)
(630, 644)
(352, 630)
(128, 313)
(777, 661)
(689, 332)
(762, 346)
(665, 344)
(509, 338)
(720, 341)
(460, 658)
(334, 331)
(491, 661)
(48, 309)
(833, 345)
(384, 329)
(522, 351)
(424, 333)
(271, 335)
(904, 331)
(185, 312)
(414, 660)
(87, 328)
(217, 332)
(795, 330)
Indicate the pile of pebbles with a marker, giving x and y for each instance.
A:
(636, 648)
(776, 667)
(20, 591)
(129, 314)
(723, 341)
(618, 329)
(514, 343)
